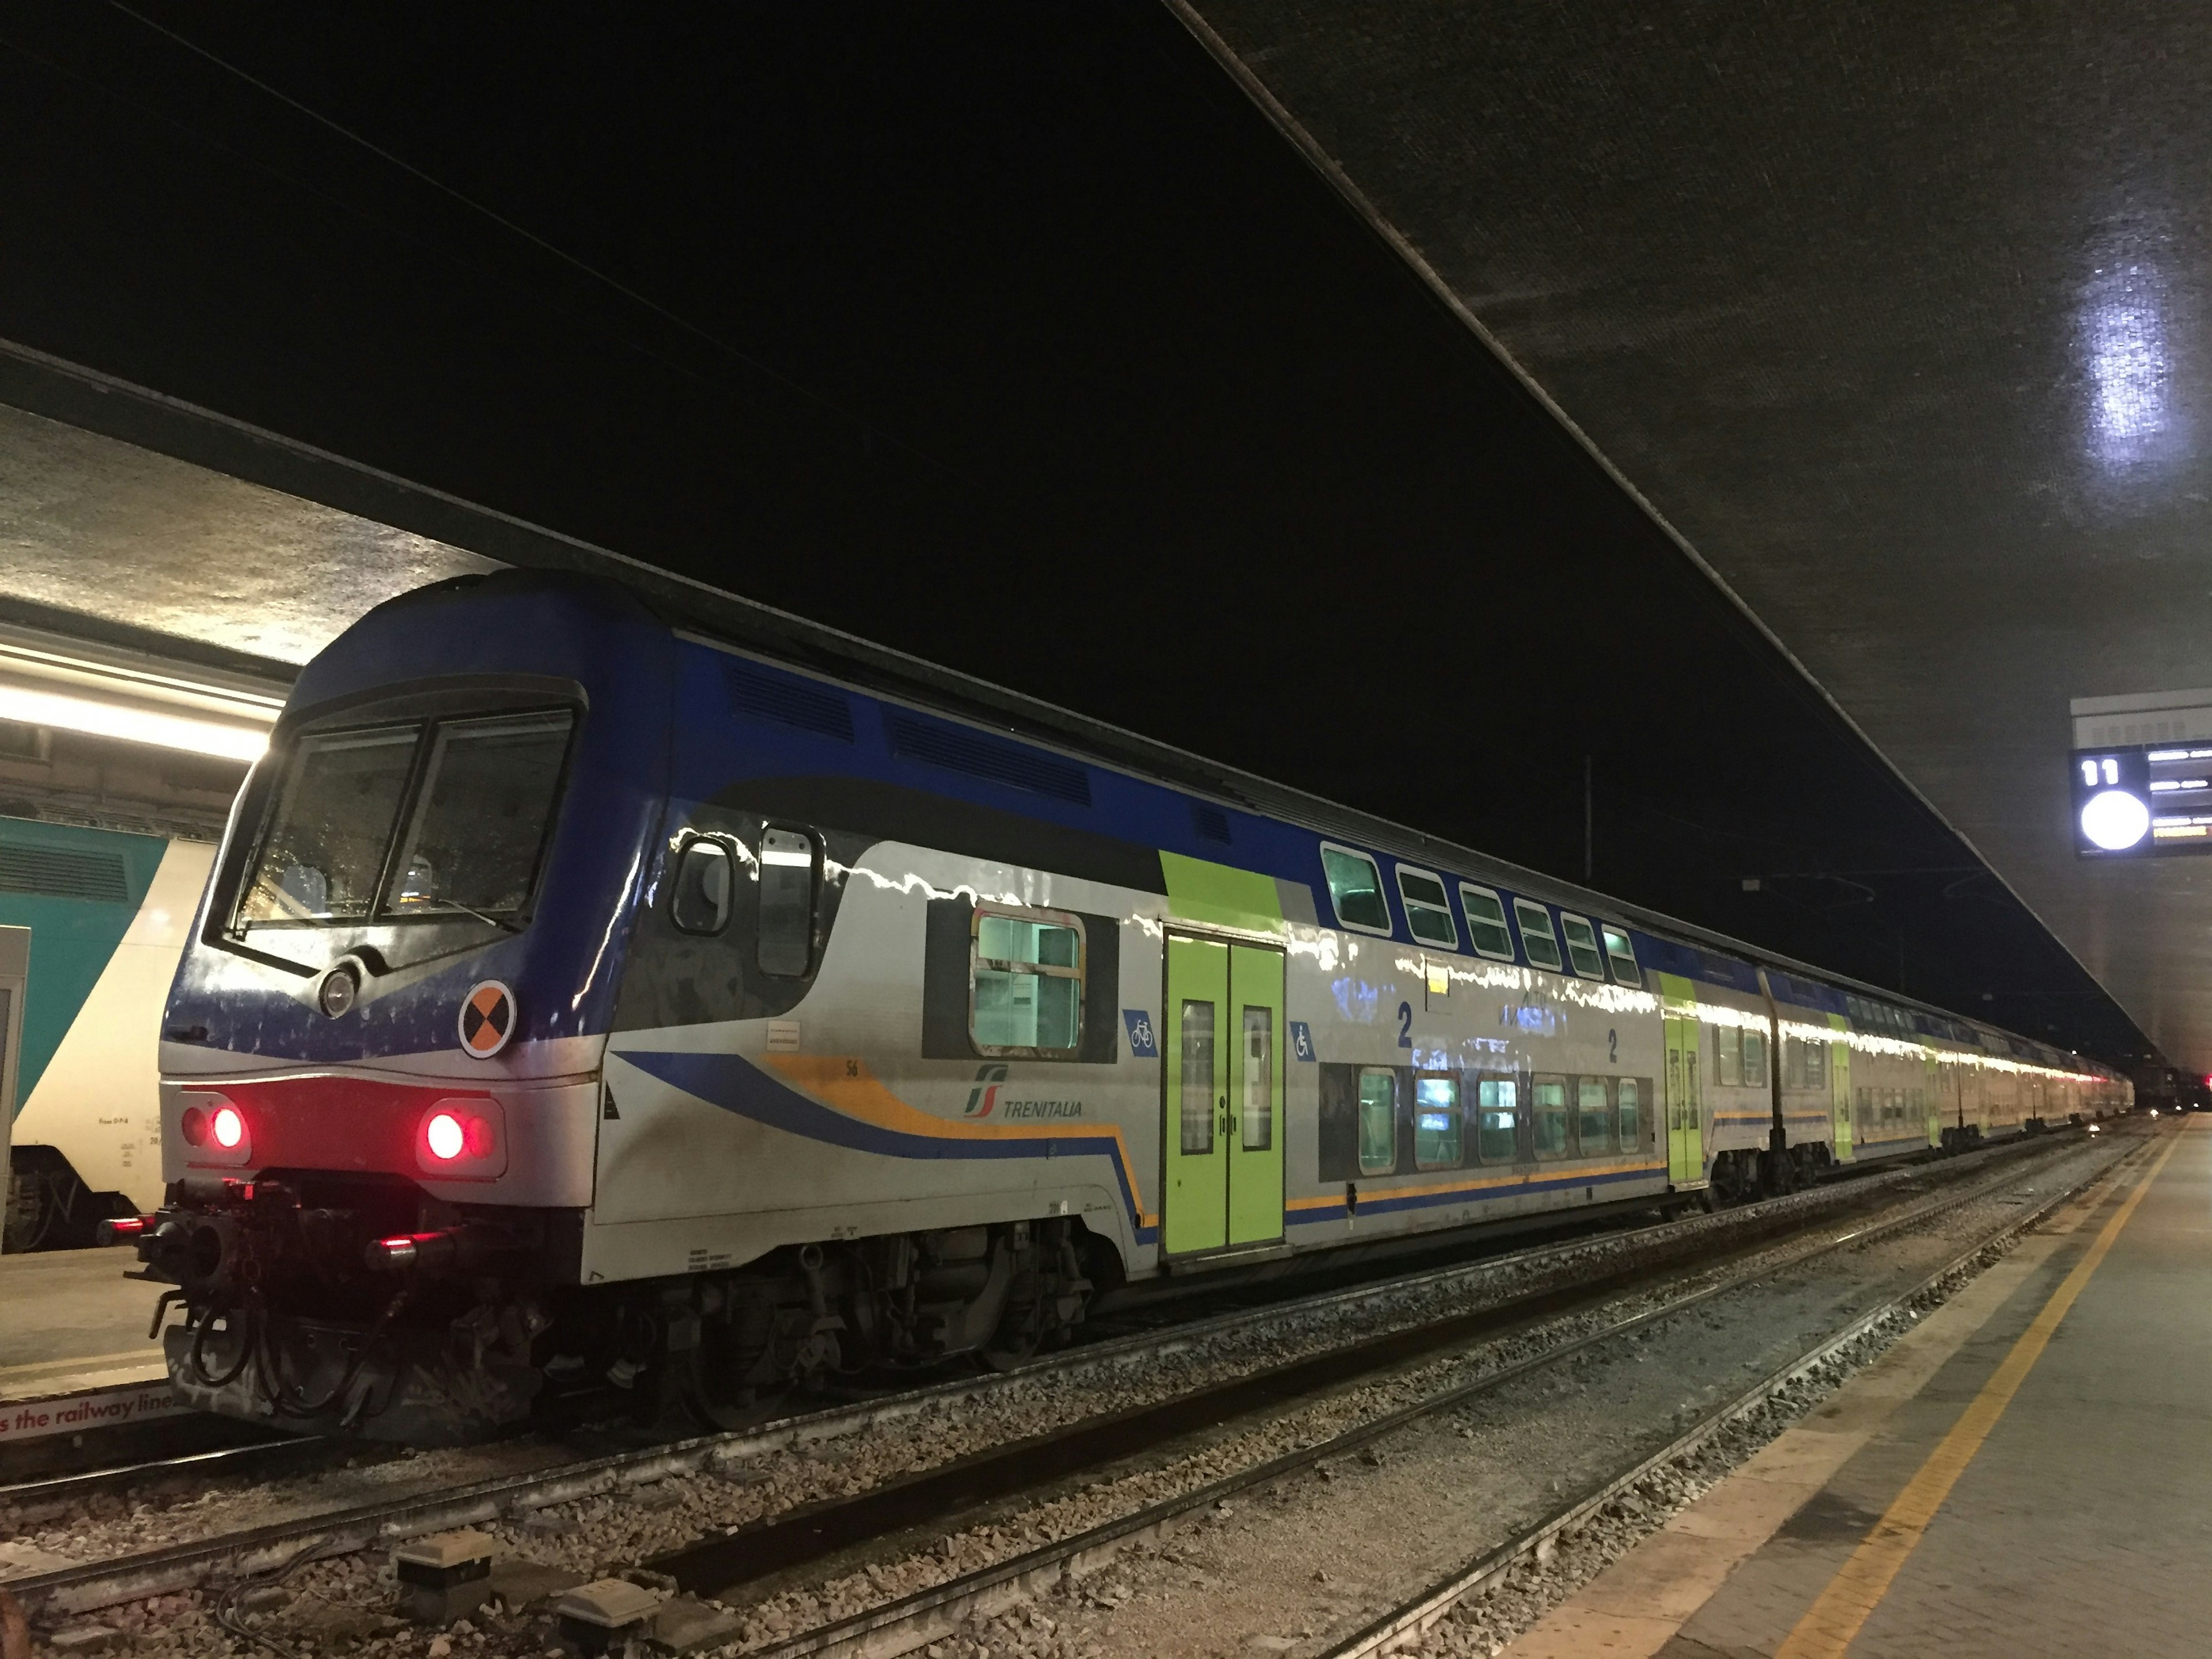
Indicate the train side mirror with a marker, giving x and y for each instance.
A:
(700, 901)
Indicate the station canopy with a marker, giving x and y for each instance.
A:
(1897, 318)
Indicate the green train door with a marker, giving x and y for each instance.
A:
(1935, 1099)
(1685, 1124)
(1840, 1086)
(1222, 1124)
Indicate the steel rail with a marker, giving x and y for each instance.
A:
(84, 1587)
(930, 1614)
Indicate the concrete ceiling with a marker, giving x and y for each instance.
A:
(1898, 316)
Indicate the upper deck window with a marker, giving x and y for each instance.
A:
(1486, 921)
(1581, 946)
(1536, 936)
(469, 802)
(1428, 912)
(1355, 887)
(1622, 954)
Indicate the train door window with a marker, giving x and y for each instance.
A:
(1536, 936)
(1378, 1120)
(1629, 1091)
(699, 899)
(1620, 951)
(1864, 1117)
(1548, 1098)
(1754, 1060)
(1355, 888)
(1728, 1063)
(1428, 912)
(785, 946)
(1027, 996)
(1816, 1065)
(1486, 921)
(1497, 1118)
(1593, 1115)
(1581, 946)
(1258, 1102)
(1437, 1131)
(1196, 1106)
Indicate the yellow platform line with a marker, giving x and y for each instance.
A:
(1832, 1623)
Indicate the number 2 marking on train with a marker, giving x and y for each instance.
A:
(1405, 1025)
(1612, 1048)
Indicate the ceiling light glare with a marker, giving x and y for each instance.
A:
(108, 719)
(2115, 820)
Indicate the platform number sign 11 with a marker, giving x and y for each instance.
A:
(2146, 801)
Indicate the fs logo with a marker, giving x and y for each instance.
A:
(985, 1095)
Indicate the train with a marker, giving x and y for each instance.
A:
(581, 1001)
(107, 913)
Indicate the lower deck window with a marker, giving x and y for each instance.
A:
(1498, 1115)
(1378, 1120)
(1629, 1091)
(1548, 1097)
(1437, 1133)
(1592, 1116)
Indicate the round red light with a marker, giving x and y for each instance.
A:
(444, 1137)
(229, 1128)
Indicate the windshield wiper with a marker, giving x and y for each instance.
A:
(504, 924)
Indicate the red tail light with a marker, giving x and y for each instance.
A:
(228, 1127)
(214, 1130)
(444, 1137)
(461, 1137)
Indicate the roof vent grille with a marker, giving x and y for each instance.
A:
(53, 872)
(1210, 822)
(788, 699)
(983, 757)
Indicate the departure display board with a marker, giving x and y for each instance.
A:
(2143, 800)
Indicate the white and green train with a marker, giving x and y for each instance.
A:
(106, 914)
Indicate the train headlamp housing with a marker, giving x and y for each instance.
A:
(462, 1137)
(216, 1134)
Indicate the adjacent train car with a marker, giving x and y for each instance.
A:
(107, 914)
(578, 1001)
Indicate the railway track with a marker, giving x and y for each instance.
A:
(1526, 1286)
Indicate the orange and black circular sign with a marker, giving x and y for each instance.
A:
(487, 1018)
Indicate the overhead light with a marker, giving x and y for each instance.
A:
(2114, 819)
(131, 723)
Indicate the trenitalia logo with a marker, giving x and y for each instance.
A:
(984, 1096)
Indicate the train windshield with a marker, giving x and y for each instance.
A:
(444, 819)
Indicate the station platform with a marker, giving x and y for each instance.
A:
(70, 1321)
(2025, 1471)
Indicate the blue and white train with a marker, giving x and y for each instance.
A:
(578, 999)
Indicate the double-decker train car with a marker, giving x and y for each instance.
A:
(577, 1000)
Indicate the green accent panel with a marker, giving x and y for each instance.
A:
(1199, 891)
(71, 939)
(1839, 1084)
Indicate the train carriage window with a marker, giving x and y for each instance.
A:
(699, 899)
(1428, 912)
(1592, 1116)
(1581, 946)
(481, 814)
(1355, 888)
(1621, 950)
(1728, 1060)
(1754, 1060)
(1498, 1117)
(323, 853)
(1629, 1092)
(785, 943)
(1548, 1098)
(1486, 921)
(1378, 1120)
(1793, 1062)
(1027, 995)
(1816, 1065)
(1436, 1130)
(1536, 936)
